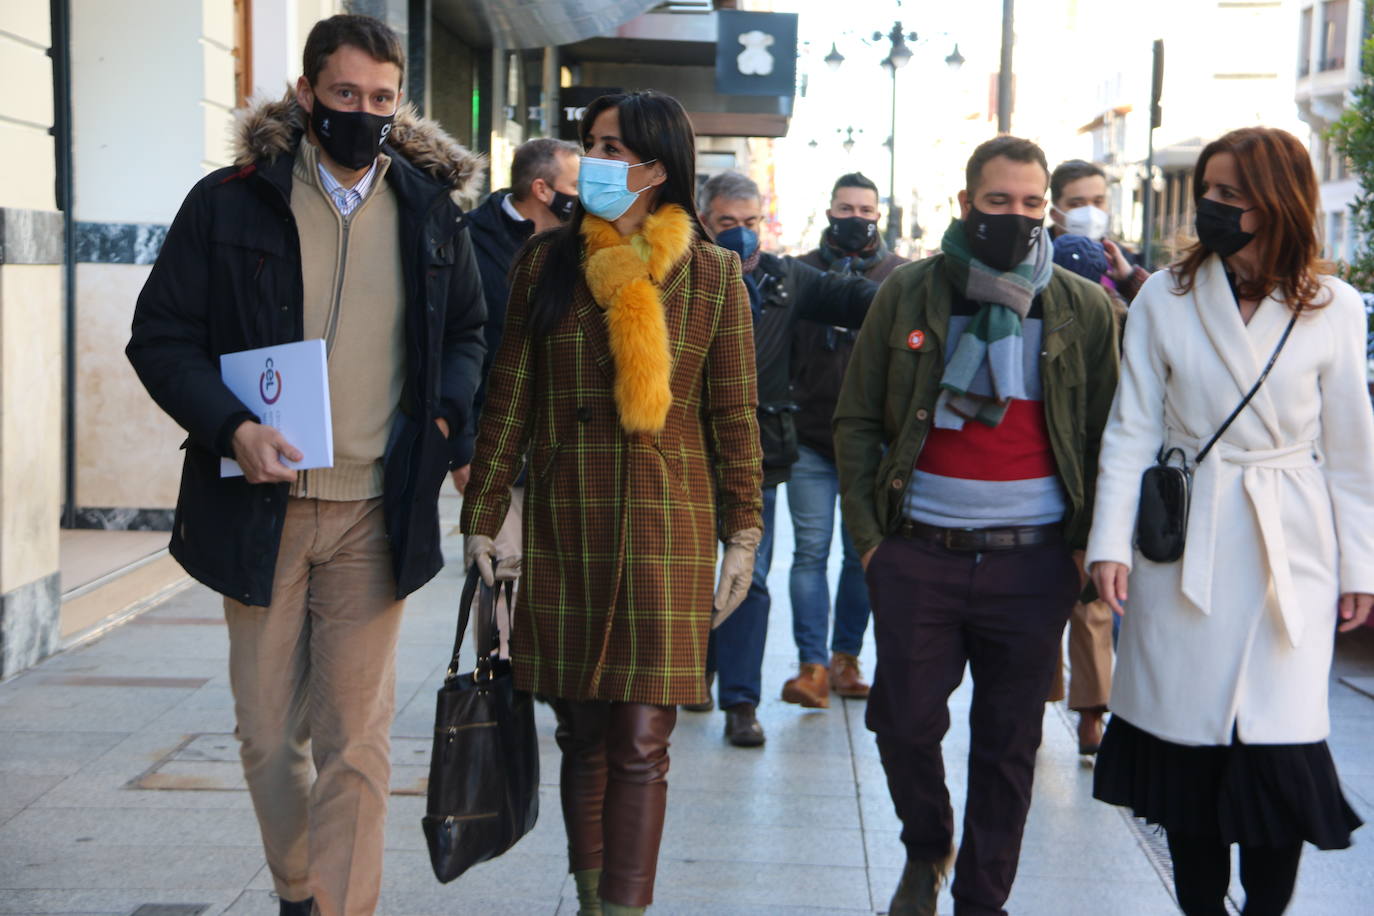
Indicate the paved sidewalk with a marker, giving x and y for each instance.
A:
(120, 790)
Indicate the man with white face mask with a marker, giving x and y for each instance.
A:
(1079, 206)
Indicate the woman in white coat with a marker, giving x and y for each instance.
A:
(1220, 698)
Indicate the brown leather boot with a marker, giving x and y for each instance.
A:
(810, 688)
(845, 677)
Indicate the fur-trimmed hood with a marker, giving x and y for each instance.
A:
(266, 129)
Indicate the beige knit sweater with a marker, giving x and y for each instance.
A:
(354, 299)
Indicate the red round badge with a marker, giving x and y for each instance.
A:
(916, 339)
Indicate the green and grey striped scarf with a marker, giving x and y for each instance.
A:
(993, 337)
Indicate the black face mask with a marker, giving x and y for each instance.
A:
(1001, 240)
(562, 205)
(1218, 227)
(852, 233)
(351, 138)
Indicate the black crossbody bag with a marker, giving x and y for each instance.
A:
(1161, 524)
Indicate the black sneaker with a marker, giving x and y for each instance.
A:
(742, 728)
(297, 907)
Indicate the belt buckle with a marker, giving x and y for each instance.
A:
(960, 539)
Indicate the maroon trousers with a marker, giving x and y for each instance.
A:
(1002, 613)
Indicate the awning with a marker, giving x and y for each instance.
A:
(536, 23)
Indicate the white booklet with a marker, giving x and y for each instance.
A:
(287, 386)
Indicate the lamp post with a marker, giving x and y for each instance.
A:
(898, 56)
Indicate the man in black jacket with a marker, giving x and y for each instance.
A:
(336, 222)
(783, 291)
(850, 245)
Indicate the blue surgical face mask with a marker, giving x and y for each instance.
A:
(740, 239)
(603, 186)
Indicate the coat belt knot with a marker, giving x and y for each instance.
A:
(1260, 472)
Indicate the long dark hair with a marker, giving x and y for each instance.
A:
(652, 126)
(1276, 174)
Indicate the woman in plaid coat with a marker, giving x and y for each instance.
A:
(626, 375)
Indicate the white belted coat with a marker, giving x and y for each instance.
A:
(1239, 633)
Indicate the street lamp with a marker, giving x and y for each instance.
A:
(849, 133)
(898, 56)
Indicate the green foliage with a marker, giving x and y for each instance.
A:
(1353, 136)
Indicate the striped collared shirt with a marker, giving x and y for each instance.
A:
(347, 199)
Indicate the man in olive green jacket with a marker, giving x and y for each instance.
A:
(966, 439)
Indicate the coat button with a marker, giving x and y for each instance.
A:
(896, 483)
(584, 415)
(922, 414)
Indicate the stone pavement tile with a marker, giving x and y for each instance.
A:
(799, 774)
(526, 883)
(719, 908)
(818, 844)
(112, 902)
(89, 866)
(80, 661)
(153, 644)
(707, 884)
(728, 806)
(84, 709)
(52, 753)
(208, 709)
(1088, 894)
(1362, 787)
(19, 790)
(104, 783)
(61, 828)
(1353, 752)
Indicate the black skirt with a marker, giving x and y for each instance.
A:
(1270, 795)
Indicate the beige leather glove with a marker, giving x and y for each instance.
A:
(736, 573)
(480, 549)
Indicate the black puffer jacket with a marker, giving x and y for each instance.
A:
(496, 240)
(792, 292)
(229, 278)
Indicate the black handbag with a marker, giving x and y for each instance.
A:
(1161, 524)
(484, 769)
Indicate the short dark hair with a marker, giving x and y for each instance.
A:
(371, 36)
(1014, 148)
(1067, 172)
(538, 159)
(854, 180)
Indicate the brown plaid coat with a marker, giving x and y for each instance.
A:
(621, 530)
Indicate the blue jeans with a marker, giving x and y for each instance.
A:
(735, 650)
(811, 495)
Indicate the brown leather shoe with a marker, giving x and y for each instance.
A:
(845, 677)
(810, 688)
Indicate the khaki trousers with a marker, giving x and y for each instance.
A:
(314, 681)
(1090, 658)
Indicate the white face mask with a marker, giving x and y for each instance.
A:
(1087, 221)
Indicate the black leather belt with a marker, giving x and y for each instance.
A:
(981, 539)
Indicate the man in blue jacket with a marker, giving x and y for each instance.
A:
(335, 222)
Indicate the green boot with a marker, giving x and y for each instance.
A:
(588, 898)
(919, 888)
(617, 909)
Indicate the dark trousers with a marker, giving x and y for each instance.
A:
(614, 788)
(735, 650)
(1002, 613)
(1202, 875)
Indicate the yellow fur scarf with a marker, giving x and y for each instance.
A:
(624, 276)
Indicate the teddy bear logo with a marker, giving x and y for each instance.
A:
(755, 60)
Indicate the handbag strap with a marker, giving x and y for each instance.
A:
(486, 623)
(1253, 391)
